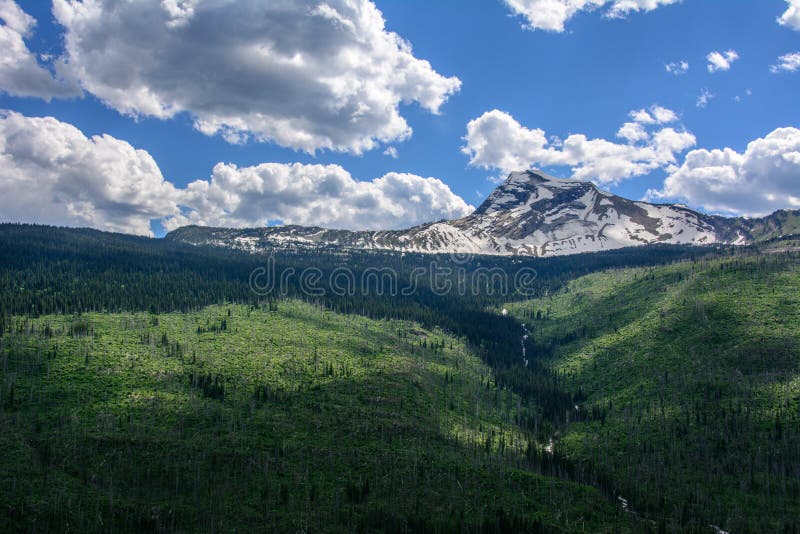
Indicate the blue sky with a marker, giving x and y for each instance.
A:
(584, 80)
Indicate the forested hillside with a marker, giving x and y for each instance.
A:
(145, 385)
(692, 372)
(288, 417)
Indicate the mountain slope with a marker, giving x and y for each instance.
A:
(530, 214)
(285, 419)
(693, 373)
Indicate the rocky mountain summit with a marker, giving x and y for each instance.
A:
(530, 214)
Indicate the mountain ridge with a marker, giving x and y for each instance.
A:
(529, 214)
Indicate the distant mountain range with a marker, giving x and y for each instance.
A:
(530, 214)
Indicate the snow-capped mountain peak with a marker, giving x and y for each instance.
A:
(524, 189)
(530, 213)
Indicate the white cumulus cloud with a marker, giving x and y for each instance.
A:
(551, 15)
(319, 195)
(663, 115)
(305, 74)
(787, 63)
(721, 61)
(20, 72)
(764, 178)
(51, 173)
(495, 140)
(791, 16)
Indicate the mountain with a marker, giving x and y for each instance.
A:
(530, 214)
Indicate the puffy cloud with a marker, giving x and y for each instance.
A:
(663, 115)
(704, 98)
(677, 68)
(304, 74)
(51, 173)
(495, 140)
(551, 15)
(633, 132)
(325, 195)
(720, 61)
(642, 116)
(655, 115)
(764, 178)
(787, 63)
(20, 72)
(391, 152)
(791, 17)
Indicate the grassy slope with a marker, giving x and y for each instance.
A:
(697, 367)
(327, 422)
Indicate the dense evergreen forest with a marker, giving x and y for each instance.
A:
(61, 270)
(65, 292)
(279, 418)
(691, 374)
